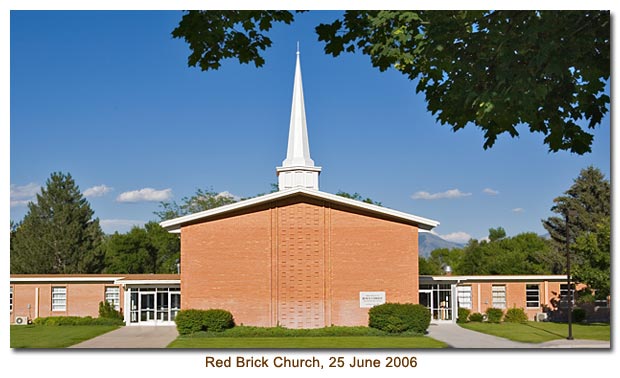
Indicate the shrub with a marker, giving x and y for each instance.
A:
(76, 321)
(192, 321)
(476, 317)
(399, 317)
(579, 315)
(463, 315)
(107, 311)
(494, 315)
(515, 315)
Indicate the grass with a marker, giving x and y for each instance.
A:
(323, 338)
(42, 336)
(540, 332)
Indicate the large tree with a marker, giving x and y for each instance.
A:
(587, 203)
(497, 70)
(59, 233)
(593, 254)
(148, 249)
(203, 199)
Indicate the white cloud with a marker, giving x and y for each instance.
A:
(491, 192)
(452, 193)
(456, 237)
(145, 195)
(229, 195)
(21, 195)
(518, 210)
(110, 226)
(97, 191)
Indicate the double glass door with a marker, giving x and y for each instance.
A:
(154, 305)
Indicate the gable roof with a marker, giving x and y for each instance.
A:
(174, 225)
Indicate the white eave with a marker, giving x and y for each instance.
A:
(496, 278)
(64, 279)
(147, 282)
(174, 225)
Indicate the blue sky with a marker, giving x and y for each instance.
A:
(107, 96)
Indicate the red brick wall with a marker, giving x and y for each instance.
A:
(82, 299)
(299, 264)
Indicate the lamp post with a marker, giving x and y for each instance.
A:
(570, 290)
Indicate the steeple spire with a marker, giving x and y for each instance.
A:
(298, 168)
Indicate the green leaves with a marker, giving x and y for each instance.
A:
(217, 35)
(501, 71)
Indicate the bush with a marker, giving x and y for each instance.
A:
(579, 315)
(494, 315)
(76, 321)
(463, 315)
(476, 317)
(399, 317)
(515, 315)
(214, 320)
(107, 311)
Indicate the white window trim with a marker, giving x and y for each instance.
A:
(55, 306)
(498, 304)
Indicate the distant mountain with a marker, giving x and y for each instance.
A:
(428, 242)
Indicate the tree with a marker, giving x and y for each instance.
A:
(358, 197)
(593, 257)
(496, 233)
(497, 70)
(59, 233)
(588, 203)
(142, 250)
(204, 199)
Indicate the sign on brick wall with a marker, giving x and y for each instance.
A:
(370, 299)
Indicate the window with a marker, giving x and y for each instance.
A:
(499, 296)
(464, 296)
(564, 295)
(113, 296)
(11, 300)
(59, 299)
(532, 296)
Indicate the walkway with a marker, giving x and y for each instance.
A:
(143, 337)
(458, 337)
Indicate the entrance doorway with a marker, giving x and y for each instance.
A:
(438, 299)
(153, 306)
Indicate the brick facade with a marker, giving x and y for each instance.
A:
(297, 262)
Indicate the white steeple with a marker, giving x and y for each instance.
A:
(298, 168)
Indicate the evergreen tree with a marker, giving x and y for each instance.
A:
(587, 202)
(593, 252)
(58, 234)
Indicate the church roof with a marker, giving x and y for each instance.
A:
(174, 225)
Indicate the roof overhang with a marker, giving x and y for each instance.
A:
(491, 278)
(174, 225)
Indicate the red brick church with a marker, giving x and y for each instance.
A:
(299, 257)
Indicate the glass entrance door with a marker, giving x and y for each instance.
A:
(426, 299)
(147, 307)
(153, 305)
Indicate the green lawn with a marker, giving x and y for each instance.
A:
(539, 332)
(313, 342)
(41, 336)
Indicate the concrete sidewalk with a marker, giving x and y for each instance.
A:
(458, 337)
(144, 337)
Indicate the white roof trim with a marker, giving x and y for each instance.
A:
(174, 224)
(498, 278)
(64, 279)
(148, 282)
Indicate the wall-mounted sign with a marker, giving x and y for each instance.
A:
(370, 299)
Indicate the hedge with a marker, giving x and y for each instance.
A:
(399, 317)
(214, 320)
(463, 315)
(476, 317)
(76, 321)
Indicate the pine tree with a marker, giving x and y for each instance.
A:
(58, 234)
(587, 203)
